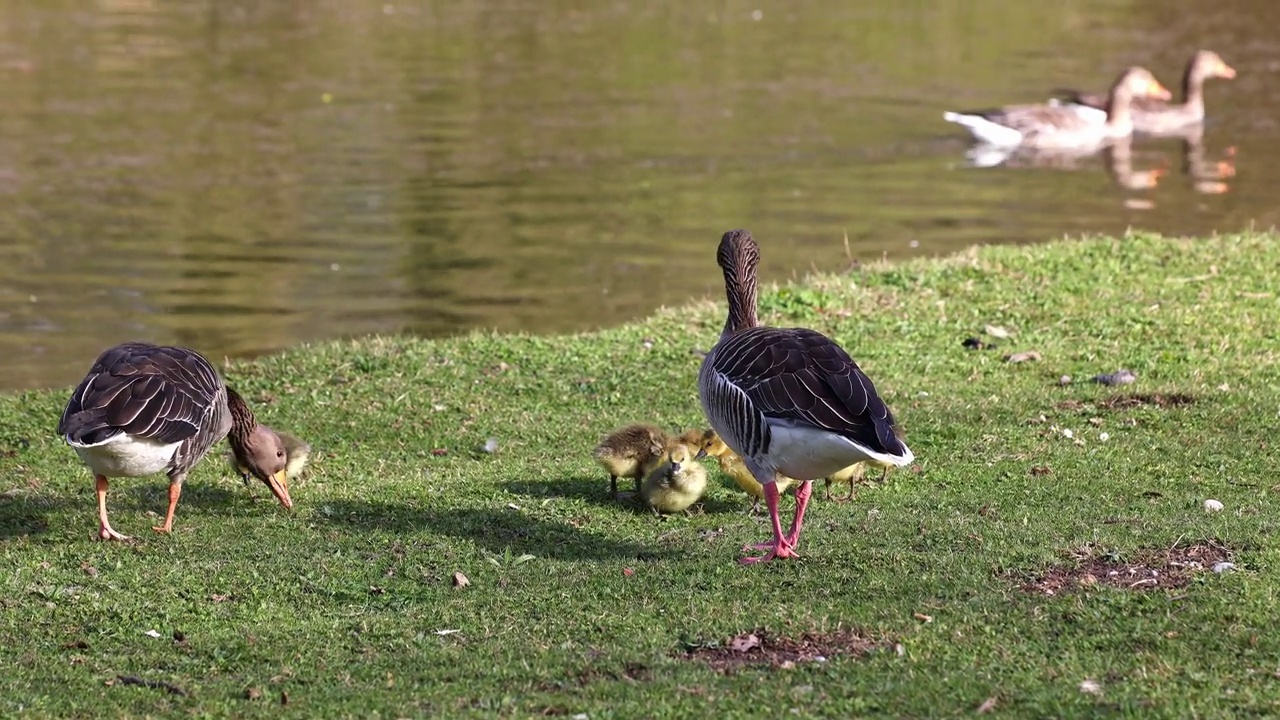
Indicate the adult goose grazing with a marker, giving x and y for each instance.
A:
(145, 408)
(788, 401)
(1062, 126)
(1154, 116)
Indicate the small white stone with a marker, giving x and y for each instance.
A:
(1221, 567)
(1066, 433)
(1103, 437)
(1212, 506)
(1091, 687)
(757, 15)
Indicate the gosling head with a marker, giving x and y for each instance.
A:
(701, 440)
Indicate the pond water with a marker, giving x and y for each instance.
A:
(243, 176)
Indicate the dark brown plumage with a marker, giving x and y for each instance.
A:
(144, 408)
(803, 376)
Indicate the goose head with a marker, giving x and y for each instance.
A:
(258, 448)
(1208, 64)
(1139, 82)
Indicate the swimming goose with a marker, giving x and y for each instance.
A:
(1155, 117)
(788, 401)
(145, 408)
(1058, 126)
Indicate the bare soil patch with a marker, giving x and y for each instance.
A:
(763, 648)
(1146, 570)
(1129, 401)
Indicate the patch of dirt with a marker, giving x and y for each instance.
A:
(1133, 400)
(1146, 570)
(1160, 400)
(760, 647)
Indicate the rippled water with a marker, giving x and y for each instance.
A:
(241, 176)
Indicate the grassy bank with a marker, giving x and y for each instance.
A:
(934, 582)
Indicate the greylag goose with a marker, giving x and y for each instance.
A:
(788, 401)
(1051, 126)
(677, 483)
(296, 454)
(145, 408)
(1154, 116)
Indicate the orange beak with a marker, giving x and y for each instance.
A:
(1226, 71)
(279, 484)
(1158, 91)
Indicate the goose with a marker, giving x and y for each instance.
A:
(1154, 116)
(144, 408)
(1058, 126)
(676, 484)
(632, 451)
(788, 401)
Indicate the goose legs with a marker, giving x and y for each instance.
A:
(104, 527)
(175, 491)
(779, 547)
(802, 502)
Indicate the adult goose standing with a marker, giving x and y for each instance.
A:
(1062, 126)
(145, 408)
(789, 401)
(1155, 116)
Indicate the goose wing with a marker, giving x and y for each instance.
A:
(802, 376)
(155, 392)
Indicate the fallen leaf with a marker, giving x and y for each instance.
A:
(743, 643)
(252, 693)
(76, 645)
(375, 590)
(987, 705)
(219, 598)
(996, 331)
(628, 572)
(152, 633)
(460, 580)
(448, 631)
(284, 698)
(1039, 470)
(89, 570)
(922, 617)
(440, 452)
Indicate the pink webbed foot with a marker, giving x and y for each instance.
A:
(106, 533)
(776, 550)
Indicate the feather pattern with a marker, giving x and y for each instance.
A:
(760, 381)
(165, 395)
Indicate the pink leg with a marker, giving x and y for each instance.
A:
(778, 548)
(104, 527)
(802, 502)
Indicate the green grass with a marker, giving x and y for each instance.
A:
(339, 602)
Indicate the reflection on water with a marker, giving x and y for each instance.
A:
(243, 176)
(1135, 164)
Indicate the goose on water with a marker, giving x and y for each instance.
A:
(145, 408)
(788, 401)
(1063, 126)
(1155, 116)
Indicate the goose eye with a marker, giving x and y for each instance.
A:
(279, 453)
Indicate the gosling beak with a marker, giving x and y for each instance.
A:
(702, 452)
(1226, 71)
(1159, 91)
(280, 488)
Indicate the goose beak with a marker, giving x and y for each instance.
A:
(1226, 71)
(1159, 91)
(702, 452)
(280, 488)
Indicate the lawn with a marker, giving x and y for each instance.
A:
(1048, 556)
